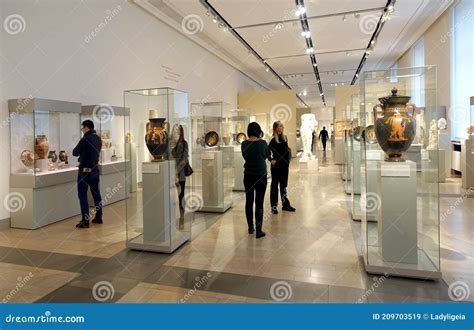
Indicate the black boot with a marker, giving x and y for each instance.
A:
(259, 233)
(288, 208)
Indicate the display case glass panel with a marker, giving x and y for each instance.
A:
(400, 218)
(160, 211)
(263, 119)
(347, 165)
(109, 122)
(213, 159)
(358, 136)
(43, 135)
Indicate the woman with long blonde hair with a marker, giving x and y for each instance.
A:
(280, 156)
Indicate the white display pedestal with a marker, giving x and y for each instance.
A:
(398, 236)
(42, 164)
(339, 150)
(213, 183)
(373, 158)
(309, 164)
(444, 143)
(238, 171)
(159, 210)
(467, 163)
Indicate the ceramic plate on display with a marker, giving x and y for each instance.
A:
(370, 134)
(357, 133)
(241, 137)
(27, 158)
(212, 138)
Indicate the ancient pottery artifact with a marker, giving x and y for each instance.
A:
(156, 137)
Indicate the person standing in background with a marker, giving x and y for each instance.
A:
(88, 151)
(280, 155)
(324, 136)
(255, 153)
(180, 153)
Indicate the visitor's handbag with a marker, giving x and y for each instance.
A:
(188, 170)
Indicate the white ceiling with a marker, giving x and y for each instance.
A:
(339, 45)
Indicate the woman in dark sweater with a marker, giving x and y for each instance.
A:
(280, 155)
(255, 153)
(180, 153)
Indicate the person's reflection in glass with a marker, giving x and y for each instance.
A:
(180, 153)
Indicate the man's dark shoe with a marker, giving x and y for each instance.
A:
(260, 234)
(98, 221)
(82, 224)
(288, 208)
(251, 230)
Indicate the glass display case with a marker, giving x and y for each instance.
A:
(347, 163)
(213, 159)
(43, 134)
(399, 200)
(265, 123)
(160, 212)
(467, 156)
(239, 121)
(358, 136)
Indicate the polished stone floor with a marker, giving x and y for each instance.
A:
(312, 255)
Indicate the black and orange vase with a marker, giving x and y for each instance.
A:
(157, 137)
(396, 128)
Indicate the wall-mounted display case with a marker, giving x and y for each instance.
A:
(160, 212)
(213, 159)
(43, 171)
(400, 218)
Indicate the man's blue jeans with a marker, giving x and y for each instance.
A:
(84, 181)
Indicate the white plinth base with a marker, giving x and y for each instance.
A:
(373, 158)
(213, 190)
(424, 269)
(309, 164)
(397, 227)
(238, 171)
(42, 164)
(139, 243)
(432, 163)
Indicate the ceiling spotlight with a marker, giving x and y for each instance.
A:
(391, 8)
(305, 93)
(310, 50)
(226, 29)
(220, 25)
(267, 69)
(344, 18)
(357, 75)
(300, 11)
(372, 42)
(278, 26)
(335, 84)
(356, 15)
(282, 83)
(208, 13)
(348, 54)
(342, 84)
(367, 52)
(315, 64)
(214, 20)
(299, 94)
(306, 34)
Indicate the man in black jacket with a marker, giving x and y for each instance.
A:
(88, 151)
(324, 136)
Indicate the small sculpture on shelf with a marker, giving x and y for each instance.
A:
(395, 130)
(52, 156)
(442, 124)
(41, 146)
(156, 137)
(433, 140)
(63, 156)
